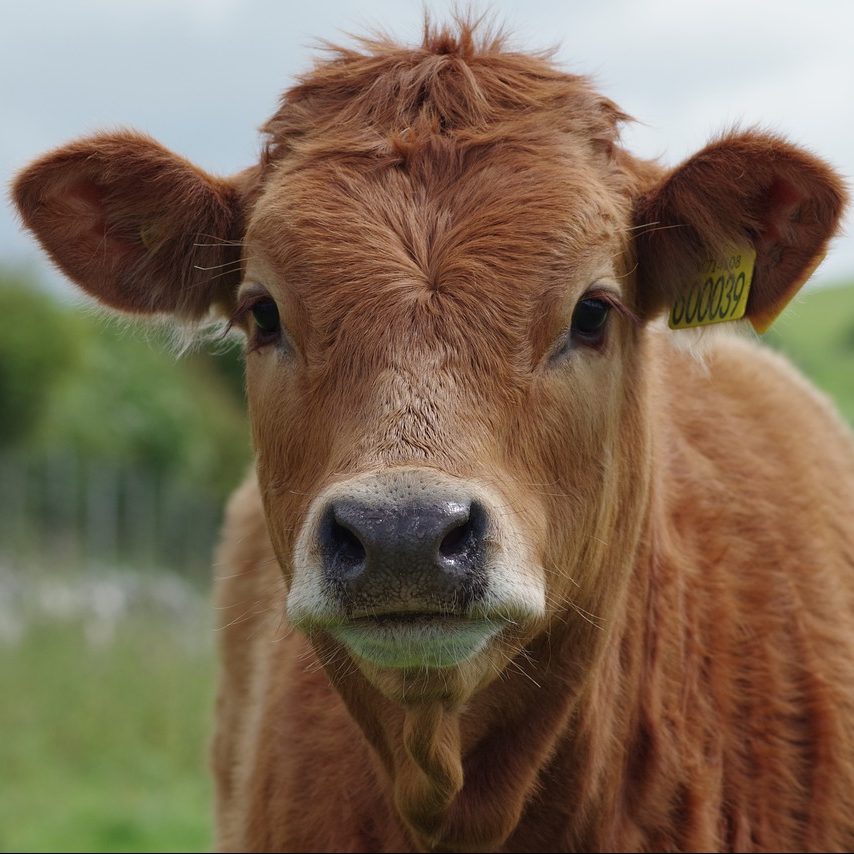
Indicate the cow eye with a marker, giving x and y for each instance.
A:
(266, 316)
(589, 321)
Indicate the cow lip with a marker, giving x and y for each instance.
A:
(406, 639)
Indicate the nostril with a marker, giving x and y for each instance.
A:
(466, 536)
(457, 541)
(348, 547)
(343, 547)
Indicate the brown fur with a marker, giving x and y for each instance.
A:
(426, 220)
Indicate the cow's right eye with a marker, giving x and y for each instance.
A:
(266, 316)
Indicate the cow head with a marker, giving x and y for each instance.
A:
(444, 267)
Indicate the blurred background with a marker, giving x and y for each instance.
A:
(116, 456)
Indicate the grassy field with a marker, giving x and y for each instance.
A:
(106, 717)
(107, 684)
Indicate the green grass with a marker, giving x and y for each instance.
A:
(816, 331)
(105, 743)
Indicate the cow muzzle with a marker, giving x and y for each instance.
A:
(412, 568)
(428, 553)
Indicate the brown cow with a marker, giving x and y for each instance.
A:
(557, 584)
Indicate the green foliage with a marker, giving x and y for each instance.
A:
(117, 392)
(36, 350)
(134, 400)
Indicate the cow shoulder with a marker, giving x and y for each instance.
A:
(755, 484)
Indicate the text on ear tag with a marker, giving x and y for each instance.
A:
(718, 293)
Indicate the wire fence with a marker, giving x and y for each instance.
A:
(62, 510)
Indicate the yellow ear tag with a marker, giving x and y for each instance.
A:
(718, 292)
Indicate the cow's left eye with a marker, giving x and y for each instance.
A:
(589, 321)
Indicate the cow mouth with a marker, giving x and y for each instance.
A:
(416, 638)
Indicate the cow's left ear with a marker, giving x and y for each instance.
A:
(748, 191)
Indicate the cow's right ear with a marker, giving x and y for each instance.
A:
(136, 226)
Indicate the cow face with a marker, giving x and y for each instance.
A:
(439, 363)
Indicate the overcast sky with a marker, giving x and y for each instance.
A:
(202, 75)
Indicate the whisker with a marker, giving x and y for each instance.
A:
(232, 264)
(219, 241)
